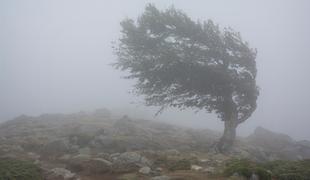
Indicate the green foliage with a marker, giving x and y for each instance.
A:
(182, 63)
(32, 144)
(262, 173)
(11, 169)
(280, 170)
(290, 170)
(291, 176)
(246, 168)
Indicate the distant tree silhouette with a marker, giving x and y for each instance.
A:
(178, 62)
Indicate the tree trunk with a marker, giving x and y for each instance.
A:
(230, 124)
(228, 137)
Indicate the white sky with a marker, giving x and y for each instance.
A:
(55, 55)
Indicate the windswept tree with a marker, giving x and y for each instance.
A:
(178, 62)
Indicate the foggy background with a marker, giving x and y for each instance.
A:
(55, 56)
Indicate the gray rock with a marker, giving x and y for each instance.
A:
(209, 170)
(235, 174)
(128, 162)
(132, 158)
(172, 152)
(269, 140)
(254, 177)
(159, 169)
(129, 157)
(61, 174)
(265, 145)
(145, 170)
(102, 160)
(204, 162)
(114, 156)
(97, 165)
(196, 167)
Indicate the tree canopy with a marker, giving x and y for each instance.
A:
(179, 62)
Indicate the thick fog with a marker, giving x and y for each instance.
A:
(55, 56)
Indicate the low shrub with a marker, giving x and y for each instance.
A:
(12, 169)
(289, 170)
(246, 168)
(280, 170)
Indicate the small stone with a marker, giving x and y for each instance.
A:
(159, 169)
(114, 156)
(254, 177)
(196, 168)
(204, 160)
(209, 170)
(236, 174)
(145, 170)
(172, 152)
(61, 173)
(131, 158)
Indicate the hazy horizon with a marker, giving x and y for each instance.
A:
(55, 57)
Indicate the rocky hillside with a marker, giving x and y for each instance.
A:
(278, 146)
(97, 145)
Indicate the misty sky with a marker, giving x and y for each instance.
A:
(55, 56)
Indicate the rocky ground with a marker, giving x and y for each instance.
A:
(97, 145)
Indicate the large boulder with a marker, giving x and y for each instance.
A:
(267, 145)
(269, 140)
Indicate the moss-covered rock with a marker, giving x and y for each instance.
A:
(12, 169)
